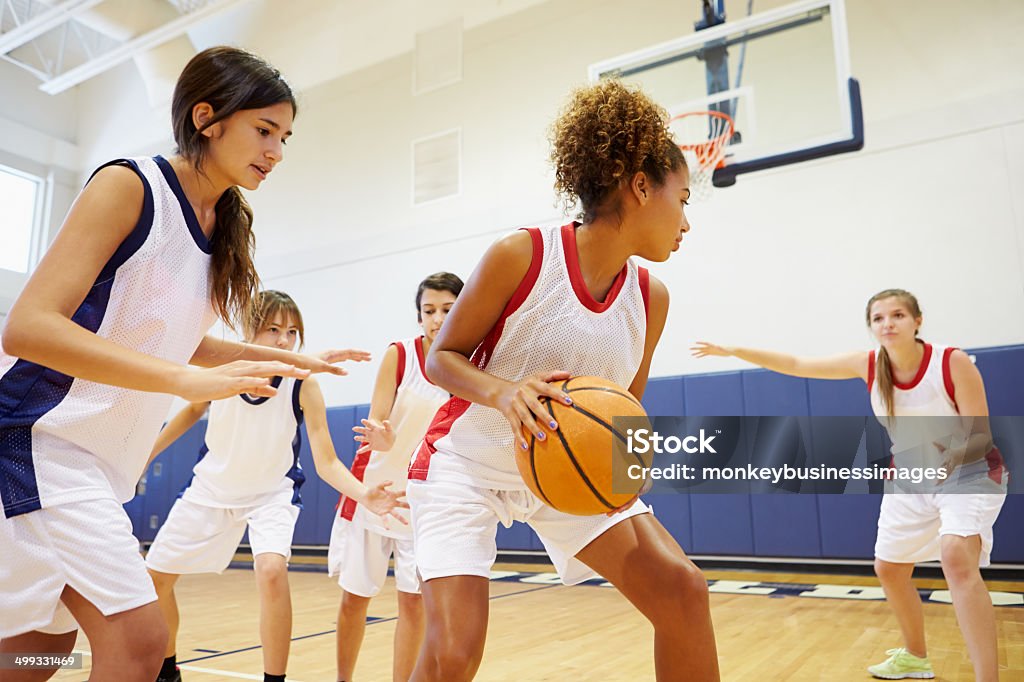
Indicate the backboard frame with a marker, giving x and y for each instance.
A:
(849, 138)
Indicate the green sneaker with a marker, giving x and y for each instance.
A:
(902, 664)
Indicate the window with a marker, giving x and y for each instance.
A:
(19, 199)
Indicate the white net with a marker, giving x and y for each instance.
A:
(700, 177)
(703, 137)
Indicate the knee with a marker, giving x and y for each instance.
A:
(410, 605)
(451, 661)
(354, 606)
(888, 572)
(679, 588)
(958, 566)
(695, 585)
(146, 645)
(883, 569)
(153, 639)
(273, 578)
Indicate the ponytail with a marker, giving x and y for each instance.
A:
(235, 281)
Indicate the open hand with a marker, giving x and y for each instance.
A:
(383, 502)
(703, 349)
(234, 378)
(375, 435)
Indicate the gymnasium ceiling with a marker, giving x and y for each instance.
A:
(64, 43)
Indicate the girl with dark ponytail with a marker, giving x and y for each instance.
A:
(97, 344)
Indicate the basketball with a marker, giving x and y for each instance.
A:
(572, 469)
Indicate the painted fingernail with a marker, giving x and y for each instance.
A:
(524, 446)
(553, 425)
(540, 435)
(568, 400)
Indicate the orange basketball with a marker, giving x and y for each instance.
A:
(571, 469)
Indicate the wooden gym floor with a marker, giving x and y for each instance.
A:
(541, 631)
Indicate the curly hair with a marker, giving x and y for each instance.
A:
(609, 132)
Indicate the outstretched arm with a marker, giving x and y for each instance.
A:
(214, 352)
(329, 468)
(845, 366)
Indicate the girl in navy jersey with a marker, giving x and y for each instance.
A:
(544, 304)
(362, 542)
(151, 253)
(248, 475)
(909, 379)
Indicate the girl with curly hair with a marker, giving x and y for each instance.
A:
(545, 304)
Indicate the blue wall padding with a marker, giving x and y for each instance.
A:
(776, 524)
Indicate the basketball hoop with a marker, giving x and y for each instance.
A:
(703, 137)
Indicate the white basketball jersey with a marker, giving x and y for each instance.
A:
(252, 450)
(551, 323)
(930, 393)
(416, 402)
(64, 439)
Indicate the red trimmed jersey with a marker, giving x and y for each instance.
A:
(416, 402)
(929, 394)
(551, 323)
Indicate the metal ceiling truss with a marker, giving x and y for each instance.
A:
(65, 42)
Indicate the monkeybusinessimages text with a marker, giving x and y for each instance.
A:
(650, 442)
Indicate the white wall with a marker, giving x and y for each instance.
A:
(784, 259)
(23, 102)
(37, 135)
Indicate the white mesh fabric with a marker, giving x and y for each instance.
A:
(250, 451)
(416, 402)
(913, 434)
(96, 441)
(927, 399)
(551, 330)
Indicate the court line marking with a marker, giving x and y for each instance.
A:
(331, 632)
(199, 669)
